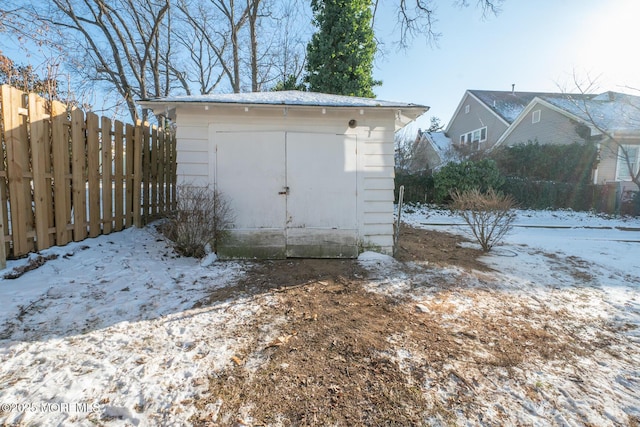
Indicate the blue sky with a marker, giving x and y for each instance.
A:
(536, 45)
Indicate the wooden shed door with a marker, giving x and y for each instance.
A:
(321, 204)
(293, 194)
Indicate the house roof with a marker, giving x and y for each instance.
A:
(613, 111)
(509, 104)
(441, 143)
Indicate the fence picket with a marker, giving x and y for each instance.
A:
(154, 171)
(60, 126)
(93, 174)
(119, 175)
(78, 175)
(107, 180)
(161, 177)
(39, 159)
(128, 203)
(146, 172)
(137, 178)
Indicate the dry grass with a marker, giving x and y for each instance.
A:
(328, 352)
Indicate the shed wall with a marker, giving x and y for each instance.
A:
(375, 153)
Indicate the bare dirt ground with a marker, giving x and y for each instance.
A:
(329, 351)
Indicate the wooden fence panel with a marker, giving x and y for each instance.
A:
(107, 177)
(67, 176)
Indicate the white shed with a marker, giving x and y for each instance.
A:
(306, 174)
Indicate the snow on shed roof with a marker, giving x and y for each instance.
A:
(291, 97)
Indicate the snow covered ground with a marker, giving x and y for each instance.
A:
(111, 330)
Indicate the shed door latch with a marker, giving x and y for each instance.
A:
(285, 192)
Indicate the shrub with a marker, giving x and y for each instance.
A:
(490, 215)
(201, 220)
(481, 175)
(572, 163)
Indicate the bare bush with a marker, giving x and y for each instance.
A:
(490, 215)
(202, 218)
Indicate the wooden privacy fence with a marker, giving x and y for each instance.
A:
(67, 175)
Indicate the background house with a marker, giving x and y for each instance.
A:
(485, 120)
(306, 174)
(430, 150)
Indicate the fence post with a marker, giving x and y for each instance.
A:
(397, 230)
(174, 172)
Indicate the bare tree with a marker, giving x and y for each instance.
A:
(616, 117)
(227, 36)
(124, 43)
(418, 17)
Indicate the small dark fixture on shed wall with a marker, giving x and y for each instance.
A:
(353, 123)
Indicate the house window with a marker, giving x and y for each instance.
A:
(627, 155)
(535, 117)
(478, 135)
(466, 109)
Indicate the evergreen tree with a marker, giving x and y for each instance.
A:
(290, 83)
(340, 54)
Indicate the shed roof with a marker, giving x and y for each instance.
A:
(289, 97)
(407, 112)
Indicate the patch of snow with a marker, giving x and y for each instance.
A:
(370, 256)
